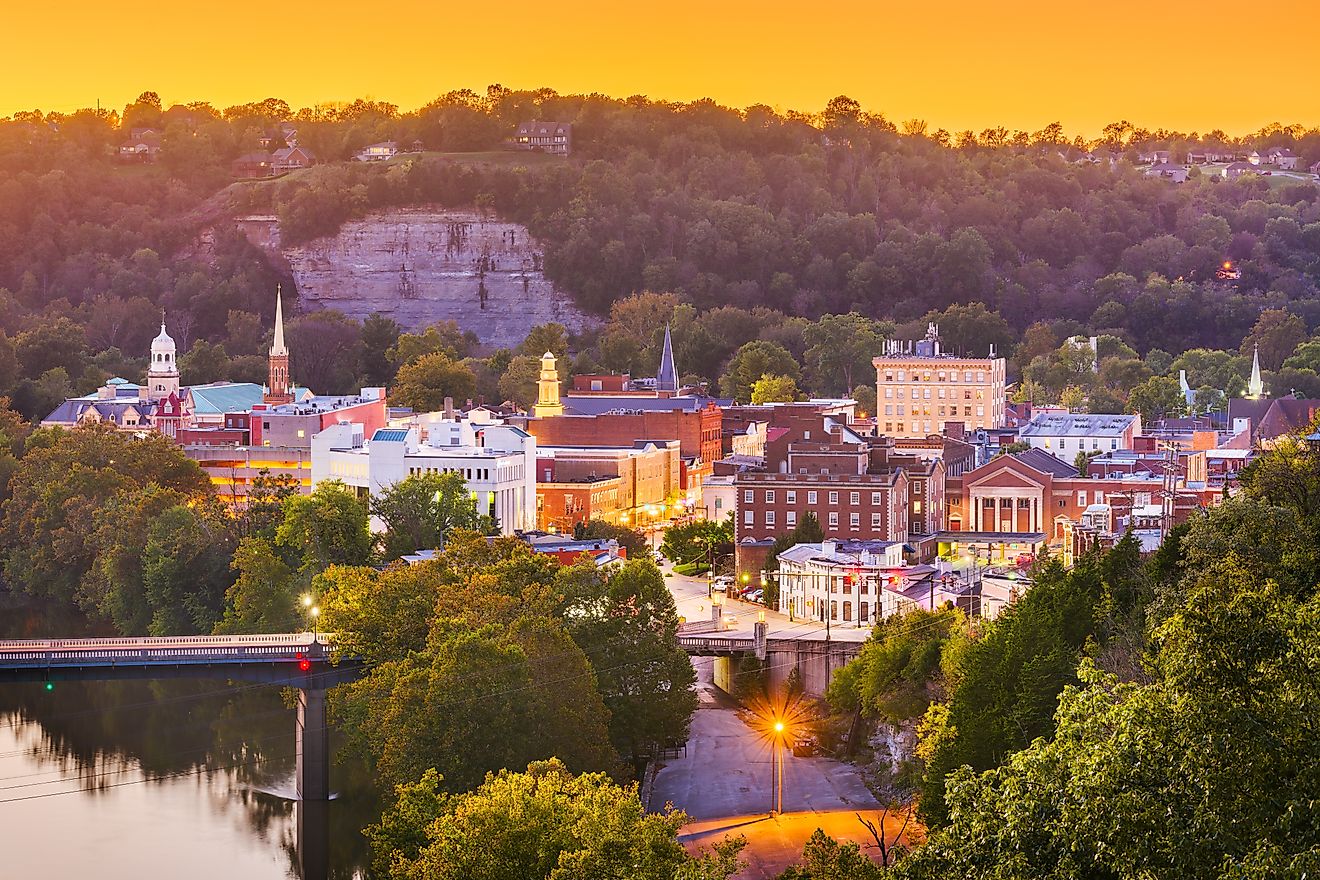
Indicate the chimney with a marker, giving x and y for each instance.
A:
(449, 407)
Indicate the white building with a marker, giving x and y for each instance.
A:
(852, 582)
(498, 462)
(1063, 435)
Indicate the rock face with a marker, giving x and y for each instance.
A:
(422, 265)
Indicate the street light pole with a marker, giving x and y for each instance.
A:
(777, 769)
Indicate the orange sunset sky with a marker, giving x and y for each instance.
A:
(957, 64)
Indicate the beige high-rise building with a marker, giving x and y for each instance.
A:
(919, 389)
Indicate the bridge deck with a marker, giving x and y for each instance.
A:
(169, 651)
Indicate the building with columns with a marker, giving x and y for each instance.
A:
(1014, 505)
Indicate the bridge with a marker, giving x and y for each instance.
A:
(298, 660)
(815, 659)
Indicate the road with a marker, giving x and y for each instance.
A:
(723, 783)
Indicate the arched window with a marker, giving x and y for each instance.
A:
(847, 611)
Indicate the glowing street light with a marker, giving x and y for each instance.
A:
(777, 767)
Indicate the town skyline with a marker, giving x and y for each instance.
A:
(972, 67)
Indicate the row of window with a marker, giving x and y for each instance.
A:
(790, 519)
(919, 411)
(790, 497)
(924, 394)
(939, 376)
(1081, 443)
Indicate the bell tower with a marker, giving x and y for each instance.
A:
(547, 389)
(277, 370)
(163, 374)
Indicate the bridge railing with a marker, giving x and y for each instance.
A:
(154, 642)
(697, 643)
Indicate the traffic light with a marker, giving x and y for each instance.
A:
(50, 686)
(304, 664)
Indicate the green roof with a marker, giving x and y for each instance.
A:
(232, 397)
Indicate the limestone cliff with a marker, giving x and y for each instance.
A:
(421, 265)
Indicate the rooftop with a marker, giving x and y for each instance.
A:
(1075, 425)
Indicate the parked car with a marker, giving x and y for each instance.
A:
(723, 583)
(756, 596)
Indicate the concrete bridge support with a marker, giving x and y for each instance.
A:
(313, 747)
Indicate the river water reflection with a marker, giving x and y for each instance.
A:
(171, 778)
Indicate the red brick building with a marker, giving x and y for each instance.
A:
(866, 507)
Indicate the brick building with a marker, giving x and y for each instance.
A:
(864, 507)
(1016, 504)
(920, 389)
(635, 484)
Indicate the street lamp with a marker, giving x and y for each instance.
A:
(777, 768)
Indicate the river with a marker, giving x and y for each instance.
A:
(170, 778)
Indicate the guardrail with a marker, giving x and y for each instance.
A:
(163, 651)
(166, 641)
(694, 643)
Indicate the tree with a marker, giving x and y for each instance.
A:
(442, 337)
(865, 395)
(700, 540)
(476, 700)
(544, 823)
(379, 615)
(550, 337)
(1007, 682)
(840, 349)
(419, 512)
(774, 389)
(1278, 333)
(327, 527)
(264, 597)
(754, 360)
(204, 363)
(185, 571)
(62, 481)
(1157, 398)
(824, 858)
(1211, 775)
(323, 351)
(426, 382)
(629, 538)
(629, 633)
(519, 382)
(379, 335)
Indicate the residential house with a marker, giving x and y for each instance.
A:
(1235, 170)
(381, 152)
(555, 138)
(1175, 173)
(287, 159)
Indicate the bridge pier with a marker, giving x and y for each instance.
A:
(313, 747)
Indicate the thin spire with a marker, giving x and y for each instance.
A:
(277, 348)
(667, 378)
(1256, 387)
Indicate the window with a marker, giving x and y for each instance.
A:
(769, 496)
(748, 496)
(769, 517)
(854, 497)
(927, 394)
(889, 409)
(889, 393)
(834, 520)
(876, 498)
(834, 610)
(301, 433)
(916, 507)
(854, 521)
(790, 496)
(749, 517)
(1081, 497)
(916, 487)
(811, 496)
(901, 410)
(847, 611)
(834, 498)
(875, 520)
(790, 518)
